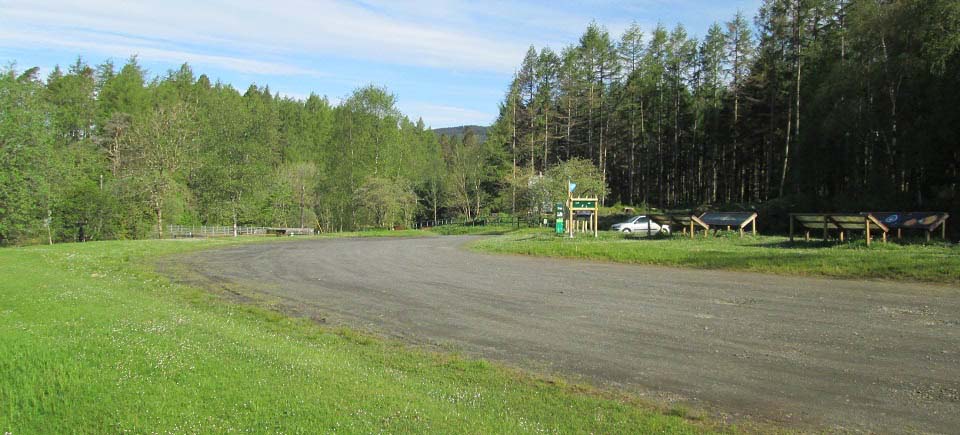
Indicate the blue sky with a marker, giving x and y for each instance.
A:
(448, 61)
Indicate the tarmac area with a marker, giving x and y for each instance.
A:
(806, 353)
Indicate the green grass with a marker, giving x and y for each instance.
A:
(485, 230)
(92, 340)
(936, 263)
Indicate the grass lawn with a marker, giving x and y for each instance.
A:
(480, 230)
(936, 263)
(92, 340)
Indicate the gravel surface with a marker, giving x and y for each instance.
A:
(805, 352)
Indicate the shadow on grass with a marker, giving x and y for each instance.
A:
(640, 235)
(798, 244)
(857, 243)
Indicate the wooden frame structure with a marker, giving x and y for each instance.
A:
(681, 220)
(575, 205)
(717, 220)
(928, 222)
(690, 223)
(841, 222)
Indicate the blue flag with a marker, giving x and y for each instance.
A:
(572, 186)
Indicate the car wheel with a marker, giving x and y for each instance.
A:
(626, 230)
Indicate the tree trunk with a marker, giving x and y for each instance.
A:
(643, 177)
(158, 208)
(799, 63)
(633, 146)
(786, 154)
(513, 152)
(302, 192)
(546, 135)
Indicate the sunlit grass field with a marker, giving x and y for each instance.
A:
(933, 262)
(92, 340)
(482, 230)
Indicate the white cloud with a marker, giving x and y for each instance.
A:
(250, 29)
(121, 46)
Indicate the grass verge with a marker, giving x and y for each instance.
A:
(935, 263)
(481, 230)
(93, 340)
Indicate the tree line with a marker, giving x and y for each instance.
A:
(124, 156)
(817, 105)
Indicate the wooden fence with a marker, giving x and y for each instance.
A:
(184, 231)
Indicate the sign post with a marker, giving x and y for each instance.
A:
(586, 207)
(559, 216)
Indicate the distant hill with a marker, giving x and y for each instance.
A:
(458, 131)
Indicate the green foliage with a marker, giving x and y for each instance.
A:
(474, 172)
(537, 194)
(587, 177)
(848, 101)
(127, 156)
(833, 105)
(25, 156)
(386, 202)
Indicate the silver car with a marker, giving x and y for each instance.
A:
(641, 225)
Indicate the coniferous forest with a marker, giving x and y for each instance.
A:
(813, 105)
(817, 105)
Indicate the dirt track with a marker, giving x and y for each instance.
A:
(811, 353)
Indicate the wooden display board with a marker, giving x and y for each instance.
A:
(840, 222)
(718, 220)
(578, 206)
(682, 220)
(928, 222)
(690, 223)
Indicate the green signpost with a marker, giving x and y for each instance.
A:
(559, 210)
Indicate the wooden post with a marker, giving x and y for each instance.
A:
(868, 231)
(806, 236)
(841, 235)
(753, 224)
(691, 229)
(824, 228)
(884, 237)
(943, 230)
(596, 222)
(741, 232)
(928, 235)
(791, 228)
(899, 233)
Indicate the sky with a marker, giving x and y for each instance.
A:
(447, 61)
